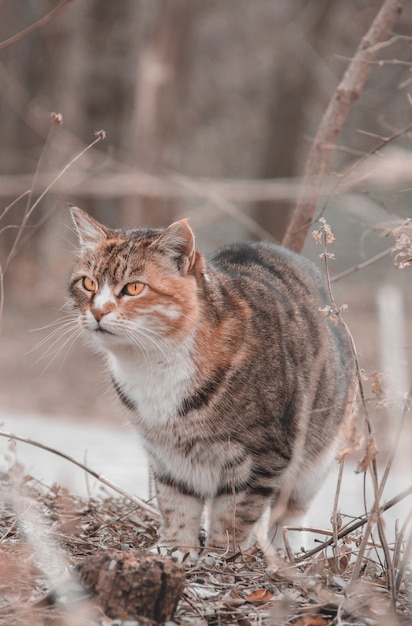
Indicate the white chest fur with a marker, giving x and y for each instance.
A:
(155, 382)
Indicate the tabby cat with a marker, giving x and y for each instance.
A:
(236, 382)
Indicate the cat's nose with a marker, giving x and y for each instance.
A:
(99, 309)
(97, 314)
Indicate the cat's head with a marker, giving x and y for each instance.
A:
(135, 289)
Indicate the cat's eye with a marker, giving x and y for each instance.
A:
(133, 289)
(89, 284)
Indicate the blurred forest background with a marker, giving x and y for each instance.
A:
(209, 109)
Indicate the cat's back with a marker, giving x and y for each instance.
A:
(287, 297)
(263, 266)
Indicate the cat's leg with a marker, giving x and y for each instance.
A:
(181, 513)
(234, 518)
(297, 539)
(306, 485)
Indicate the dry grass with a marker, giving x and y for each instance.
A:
(46, 532)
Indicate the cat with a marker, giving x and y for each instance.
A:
(236, 382)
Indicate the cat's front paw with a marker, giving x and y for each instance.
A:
(182, 555)
(211, 558)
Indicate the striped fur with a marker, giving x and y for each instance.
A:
(236, 382)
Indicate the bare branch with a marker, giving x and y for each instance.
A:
(362, 266)
(33, 27)
(349, 89)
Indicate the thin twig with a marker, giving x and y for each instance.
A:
(376, 509)
(347, 530)
(327, 237)
(343, 178)
(381, 63)
(406, 555)
(144, 505)
(335, 515)
(15, 201)
(35, 26)
(100, 135)
(27, 209)
(361, 266)
(318, 531)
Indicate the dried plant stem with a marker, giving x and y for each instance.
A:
(29, 211)
(383, 141)
(347, 530)
(349, 89)
(100, 136)
(375, 516)
(361, 266)
(141, 503)
(36, 26)
(335, 515)
(15, 201)
(371, 463)
(317, 531)
(376, 509)
(406, 555)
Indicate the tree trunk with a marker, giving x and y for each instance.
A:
(152, 125)
(295, 83)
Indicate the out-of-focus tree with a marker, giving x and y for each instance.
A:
(210, 109)
(161, 65)
(297, 80)
(223, 90)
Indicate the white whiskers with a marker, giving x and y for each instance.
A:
(155, 339)
(66, 331)
(143, 340)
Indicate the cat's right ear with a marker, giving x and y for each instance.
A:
(178, 241)
(89, 231)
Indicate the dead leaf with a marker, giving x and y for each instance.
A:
(377, 385)
(371, 452)
(259, 595)
(339, 564)
(234, 600)
(328, 597)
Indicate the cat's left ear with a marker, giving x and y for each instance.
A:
(89, 231)
(178, 241)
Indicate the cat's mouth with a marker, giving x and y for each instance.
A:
(103, 331)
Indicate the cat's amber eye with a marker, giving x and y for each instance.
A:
(89, 284)
(133, 289)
